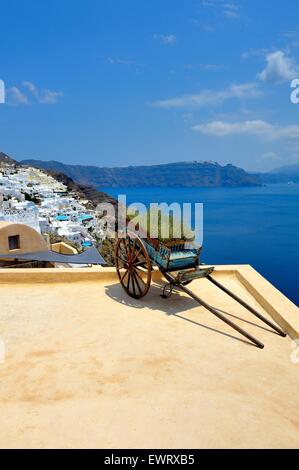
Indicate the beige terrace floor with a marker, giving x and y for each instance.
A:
(86, 366)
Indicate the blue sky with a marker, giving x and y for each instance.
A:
(124, 82)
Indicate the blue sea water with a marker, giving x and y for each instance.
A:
(257, 226)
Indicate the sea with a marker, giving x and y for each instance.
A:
(255, 225)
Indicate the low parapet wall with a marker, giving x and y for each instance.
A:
(58, 275)
(279, 307)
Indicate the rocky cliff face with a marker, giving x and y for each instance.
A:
(85, 191)
(6, 159)
(186, 174)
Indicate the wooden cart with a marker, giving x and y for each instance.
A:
(179, 262)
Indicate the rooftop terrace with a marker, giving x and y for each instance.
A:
(87, 366)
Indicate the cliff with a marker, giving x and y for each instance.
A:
(186, 174)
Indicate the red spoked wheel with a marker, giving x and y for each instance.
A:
(133, 266)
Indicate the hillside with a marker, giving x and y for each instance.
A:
(186, 174)
(85, 191)
(283, 174)
(4, 158)
(288, 169)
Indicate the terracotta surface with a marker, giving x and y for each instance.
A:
(87, 366)
(30, 240)
(64, 248)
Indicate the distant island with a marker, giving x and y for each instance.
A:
(284, 174)
(185, 174)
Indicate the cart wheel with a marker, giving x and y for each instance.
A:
(133, 266)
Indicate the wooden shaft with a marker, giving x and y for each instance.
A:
(215, 312)
(247, 306)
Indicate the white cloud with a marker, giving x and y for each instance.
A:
(211, 97)
(221, 128)
(124, 62)
(49, 97)
(258, 128)
(19, 96)
(228, 9)
(31, 88)
(117, 61)
(231, 14)
(168, 40)
(206, 67)
(208, 28)
(209, 67)
(270, 156)
(16, 96)
(291, 34)
(204, 26)
(261, 52)
(279, 68)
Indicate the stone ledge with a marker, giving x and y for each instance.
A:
(279, 307)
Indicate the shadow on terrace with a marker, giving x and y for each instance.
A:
(177, 305)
